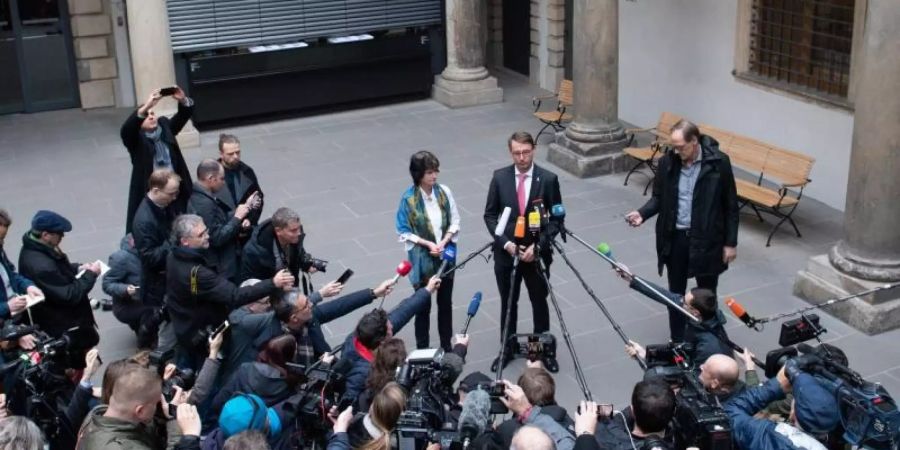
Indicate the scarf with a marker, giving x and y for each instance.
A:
(162, 158)
(424, 265)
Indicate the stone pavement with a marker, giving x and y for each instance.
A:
(344, 172)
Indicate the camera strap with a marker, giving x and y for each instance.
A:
(195, 288)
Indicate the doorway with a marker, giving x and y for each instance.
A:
(517, 35)
(36, 56)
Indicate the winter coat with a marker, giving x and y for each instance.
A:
(360, 358)
(66, 303)
(152, 226)
(703, 337)
(714, 210)
(223, 228)
(104, 433)
(142, 152)
(124, 270)
(256, 378)
(214, 299)
(247, 184)
(258, 258)
(18, 282)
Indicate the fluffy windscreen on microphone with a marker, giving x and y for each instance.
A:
(475, 304)
(504, 219)
(454, 365)
(475, 414)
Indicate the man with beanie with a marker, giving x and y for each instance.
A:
(65, 285)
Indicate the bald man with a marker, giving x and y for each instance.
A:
(531, 438)
(720, 376)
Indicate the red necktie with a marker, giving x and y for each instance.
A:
(521, 191)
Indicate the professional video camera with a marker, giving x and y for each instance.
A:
(868, 412)
(428, 376)
(12, 331)
(321, 391)
(699, 419)
(41, 389)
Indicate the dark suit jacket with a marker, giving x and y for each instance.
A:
(502, 193)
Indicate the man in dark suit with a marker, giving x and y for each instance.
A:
(151, 144)
(240, 184)
(522, 186)
(695, 197)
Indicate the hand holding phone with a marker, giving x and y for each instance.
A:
(166, 91)
(345, 276)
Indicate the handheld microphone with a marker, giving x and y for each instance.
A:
(520, 228)
(501, 224)
(474, 416)
(402, 270)
(534, 222)
(448, 257)
(473, 309)
(740, 312)
(559, 211)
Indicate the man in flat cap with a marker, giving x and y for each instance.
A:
(66, 303)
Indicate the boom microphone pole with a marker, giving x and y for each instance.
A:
(590, 292)
(468, 258)
(833, 301)
(559, 210)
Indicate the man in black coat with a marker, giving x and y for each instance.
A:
(522, 186)
(66, 304)
(695, 197)
(152, 145)
(240, 183)
(275, 245)
(152, 224)
(197, 296)
(224, 222)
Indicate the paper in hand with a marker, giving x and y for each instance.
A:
(103, 269)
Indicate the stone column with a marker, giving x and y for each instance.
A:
(592, 143)
(152, 60)
(465, 81)
(869, 254)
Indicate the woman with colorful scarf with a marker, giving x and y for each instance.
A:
(427, 221)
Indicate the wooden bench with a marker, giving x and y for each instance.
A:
(788, 170)
(648, 155)
(554, 118)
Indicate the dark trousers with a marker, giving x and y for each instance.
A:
(677, 272)
(444, 317)
(537, 292)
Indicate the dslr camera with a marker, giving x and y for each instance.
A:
(319, 264)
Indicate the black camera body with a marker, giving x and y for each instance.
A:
(320, 392)
(533, 347)
(414, 433)
(496, 390)
(319, 264)
(699, 419)
(183, 378)
(669, 355)
(801, 329)
(12, 331)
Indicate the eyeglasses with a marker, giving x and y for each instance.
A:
(522, 153)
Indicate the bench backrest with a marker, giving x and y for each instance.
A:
(667, 120)
(565, 94)
(762, 158)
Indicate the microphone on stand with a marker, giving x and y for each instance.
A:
(559, 211)
(501, 224)
(738, 310)
(402, 270)
(473, 309)
(449, 257)
(519, 232)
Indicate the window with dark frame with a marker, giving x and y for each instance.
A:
(803, 45)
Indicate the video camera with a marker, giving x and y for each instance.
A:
(414, 432)
(12, 331)
(868, 412)
(319, 264)
(321, 391)
(428, 376)
(533, 347)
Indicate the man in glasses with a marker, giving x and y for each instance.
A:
(695, 197)
(522, 186)
(65, 285)
(199, 298)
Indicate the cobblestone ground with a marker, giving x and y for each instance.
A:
(344, 173)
